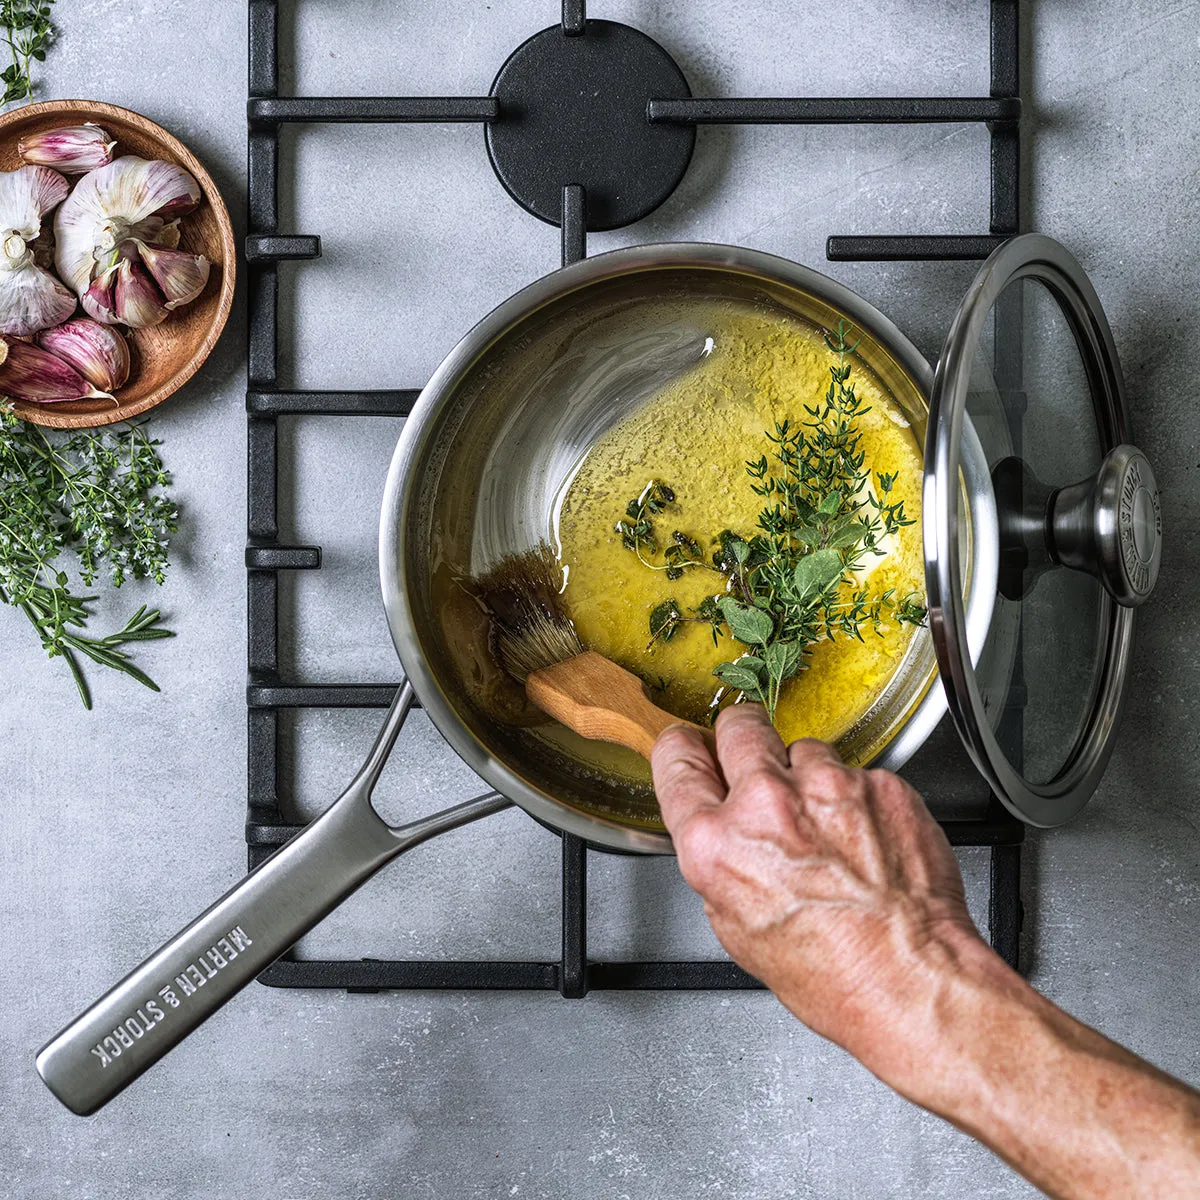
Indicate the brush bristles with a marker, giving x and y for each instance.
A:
(532, 629)
(542, 643)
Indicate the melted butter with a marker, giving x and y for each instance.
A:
(696, 436)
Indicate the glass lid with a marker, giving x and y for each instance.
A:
(1030, 369)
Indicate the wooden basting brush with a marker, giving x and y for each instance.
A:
(535, 641)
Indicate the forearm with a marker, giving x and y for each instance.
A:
(837, 889)
(1073, 1112)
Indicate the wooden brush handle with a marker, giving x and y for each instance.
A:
(593, 696)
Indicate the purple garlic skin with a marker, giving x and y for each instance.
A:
(30, 297)
(136, 300)
(28, 372)
(100, 300)
(98, 352)
(146, 283)
(130, 199)
(180, 276)
(72, 149)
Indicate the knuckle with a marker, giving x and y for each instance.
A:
(743, 725)
(698, 847)
(678, 774)
(833, 781)
(777, 810)
(892, 793)
(679, 779)
(675, 742)
(743, 714)
(763, 782)
(811, 746)
(767, 800)
(698, 836)
(886, 783)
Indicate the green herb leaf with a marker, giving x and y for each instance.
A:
(816, 572)
(733, 552)
(783, 659)
(819, 521)
(749, 625)
(743, 676)
(29, 32)
(664, 621)
(97, 494)
(849, 534)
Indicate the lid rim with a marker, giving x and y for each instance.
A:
(1037, 257)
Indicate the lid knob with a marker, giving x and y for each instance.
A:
(1111, 526)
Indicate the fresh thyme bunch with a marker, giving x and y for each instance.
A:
(784, 586)
(97, 493)
(28, 30)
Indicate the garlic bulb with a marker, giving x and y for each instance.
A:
(28, 372)
(30, 297)
(72, 149)
(108, 231)
(98, 352)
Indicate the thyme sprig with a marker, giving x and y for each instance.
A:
(97, 493)
(790, 584)
(28, 31)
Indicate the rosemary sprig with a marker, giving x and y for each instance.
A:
(786, 586)
(98, 494)
(29, 31)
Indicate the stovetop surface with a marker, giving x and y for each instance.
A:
(121, 824)
(410, 212)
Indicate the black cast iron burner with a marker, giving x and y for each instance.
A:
(589, 125)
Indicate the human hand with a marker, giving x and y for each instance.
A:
(839, 891)
(834, 886)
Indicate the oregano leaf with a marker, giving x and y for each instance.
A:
(749, 625)
(741, 675)
(848, 535)
(816, 572)
(664, 620)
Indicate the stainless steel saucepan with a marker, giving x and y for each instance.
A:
(489, 446)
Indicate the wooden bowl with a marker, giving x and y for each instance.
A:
(164, 357)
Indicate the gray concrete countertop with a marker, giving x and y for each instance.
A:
(121, 823)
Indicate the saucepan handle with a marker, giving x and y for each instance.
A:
(184, 982)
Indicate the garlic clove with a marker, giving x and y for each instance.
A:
(98, 352)
(100, 301)
(28, 372)
(131, 197)
(32, 299)
(72, 149)
(167, 179)
(180, 276)
(137, 300)
(26, 196)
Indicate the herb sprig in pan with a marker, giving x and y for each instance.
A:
(98, 494)
(784, 587)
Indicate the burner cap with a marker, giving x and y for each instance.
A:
(573, 110)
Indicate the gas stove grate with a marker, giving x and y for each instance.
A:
(527, 180)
